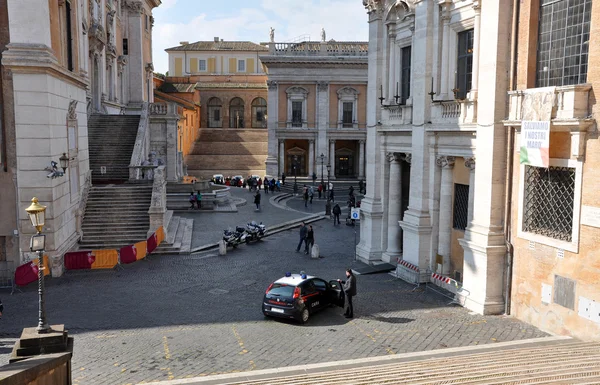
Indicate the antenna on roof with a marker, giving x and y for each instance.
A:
(299, 39)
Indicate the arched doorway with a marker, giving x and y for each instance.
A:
(296, 158)
(344, 163)
(214, 113)
(236, 113)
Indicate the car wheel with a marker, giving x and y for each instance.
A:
(305, 315)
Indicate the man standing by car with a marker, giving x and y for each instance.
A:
(303, 231)
(350, 291)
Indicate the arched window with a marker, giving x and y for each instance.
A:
(236, 113)
(259, 113)
(214, 113)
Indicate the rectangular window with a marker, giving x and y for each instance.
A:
(405, 74)
(549, 198)
(202, 65)
(347, 118)
(563, 42)
(241, 66)
(461, 206)
(125, 47)
(464, 65)
(296, 114)
(69, 36)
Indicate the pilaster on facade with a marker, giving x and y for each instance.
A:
(446, 163)
(273, 167)
(394, 209)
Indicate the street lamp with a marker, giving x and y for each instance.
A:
(295, 174)
(328, 204)
(37, 216)
(322, 156)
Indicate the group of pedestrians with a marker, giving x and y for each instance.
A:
(307, 235)
(195, 200)
(307, 194)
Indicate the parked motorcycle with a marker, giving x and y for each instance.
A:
(255, 231)
(234, 238)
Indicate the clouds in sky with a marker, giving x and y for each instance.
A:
(250, 20)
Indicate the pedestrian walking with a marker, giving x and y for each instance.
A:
(305, 196)
(266, 186)
(331, 195)
(199, 200)
(351, 190)
(311, 194)
(192, 200)
(361, 185)
(320, 189)
(278, 184)
(303, 230)
(272, 185)
(314, 177)
(257, 200)
(310, 240)
(283, 178)
(350, 291)
(336, 214)
(259, 183)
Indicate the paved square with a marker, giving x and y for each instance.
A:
(185, 316)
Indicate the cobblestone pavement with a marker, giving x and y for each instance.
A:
(186, 316)
(209, 226)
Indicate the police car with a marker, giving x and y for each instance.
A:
(298, 296)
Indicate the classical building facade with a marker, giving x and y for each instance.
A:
(436, 146)
(231, 83)
(61, 61)
(317, 108)
(500, 200)
(555, 208)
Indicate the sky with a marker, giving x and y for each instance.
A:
(250, 20)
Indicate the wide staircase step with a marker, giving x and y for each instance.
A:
(546, 362)
(111, 140)
(179, 237)
(116, 216)
(229, 152)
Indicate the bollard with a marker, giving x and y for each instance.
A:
(222, 247)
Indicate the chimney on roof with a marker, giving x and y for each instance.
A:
(216, 39)
(184, 42)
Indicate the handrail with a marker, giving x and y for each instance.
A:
(142, 145)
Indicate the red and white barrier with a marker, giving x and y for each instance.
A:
(408, 265)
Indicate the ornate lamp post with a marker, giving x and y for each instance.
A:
(322, 156)
(295, 174)
(328, 204)
(37, 216)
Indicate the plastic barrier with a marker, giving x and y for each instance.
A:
(28, 272)
(79, 260)
(160, 235)
(140, 248)
(127, 254)
(105, 259)
(151, 243)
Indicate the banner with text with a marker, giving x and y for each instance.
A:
(535, 143)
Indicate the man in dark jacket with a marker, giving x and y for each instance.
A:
(336, 214)
(303, 231)
(350, 291)
(257, 200)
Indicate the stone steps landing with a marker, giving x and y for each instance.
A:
(178, 238)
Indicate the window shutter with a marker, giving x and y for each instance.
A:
(178, 66)
(212, 65)
(250, 65)
(193, 65)
(232, 65)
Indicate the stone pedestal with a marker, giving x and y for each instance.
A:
(33, 344)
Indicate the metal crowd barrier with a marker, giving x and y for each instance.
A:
(458, 294)
(408, 272)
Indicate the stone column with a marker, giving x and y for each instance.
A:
(394, 209)
(392, 66)
(445, 84)
(416, 224)
(311, 157)
(484, 243)
(361, 160)
(470, 164)
(322, 125)
(281, 157)
(272, 166)
(476, 40)
(445, 222)
(332, 159)
(370, 247)
(135, 68)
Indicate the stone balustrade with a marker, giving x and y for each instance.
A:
(396, 115)
(310, 48)
(554, 103)
(158, 108)
(455, 112)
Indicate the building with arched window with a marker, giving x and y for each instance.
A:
(317, 106)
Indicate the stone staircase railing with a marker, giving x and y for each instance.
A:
(85, 192)
(142, 146)
(159, 215)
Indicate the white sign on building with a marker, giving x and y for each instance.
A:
(535, 143)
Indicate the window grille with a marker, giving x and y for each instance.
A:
(464, 65)
(461, 206)
(347, 118)
(563, 42)
(405, 74)
(202, 65)
(549, 198)
(296, 114)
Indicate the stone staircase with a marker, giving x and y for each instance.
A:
(521, 362)
(178, 239)
(229, 152)
(116, 216)
(111, 140)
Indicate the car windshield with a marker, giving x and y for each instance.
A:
(282, 290)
